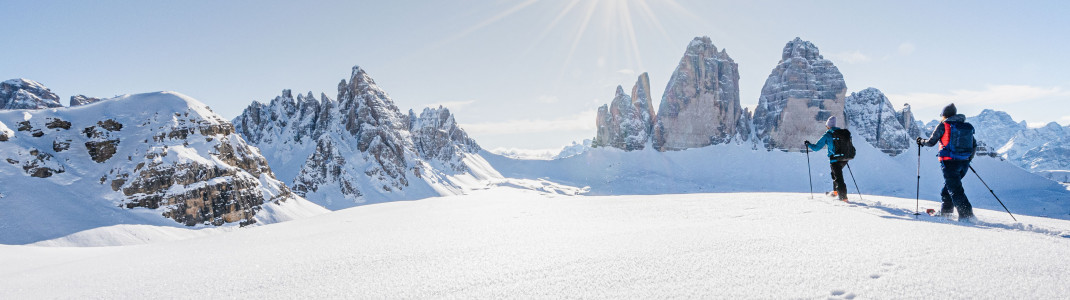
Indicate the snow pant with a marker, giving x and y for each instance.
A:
(953, 195)
(838, 184)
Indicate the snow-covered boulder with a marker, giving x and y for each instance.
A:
(26, 94)
(700, 106)
(803, 90)
(157, 158)
(870, 116)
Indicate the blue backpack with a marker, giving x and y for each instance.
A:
(960, 145)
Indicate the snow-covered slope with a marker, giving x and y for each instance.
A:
(157, 158)
(740, 168)
(360, 148)
(508, 243)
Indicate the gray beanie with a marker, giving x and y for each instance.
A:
(831, 122)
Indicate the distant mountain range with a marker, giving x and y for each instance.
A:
(166, 159)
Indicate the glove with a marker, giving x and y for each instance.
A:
(920, 141)
(806, 143)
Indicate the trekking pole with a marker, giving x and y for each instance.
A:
(917, 195)
(808, 174)
(993, 194)
(855, 181)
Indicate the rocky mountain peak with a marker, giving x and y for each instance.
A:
(801, 92)
(870, 115)
(26, 94)
(801, 49)
(700, 106)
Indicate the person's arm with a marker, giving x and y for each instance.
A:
(935, 137)
(820, 143)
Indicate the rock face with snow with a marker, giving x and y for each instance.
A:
(161, 152)
(1039, 149)
(359, 148)
(26, 94)
(803, 90)
(906, 117)
(870, 115)
(437, 137)
(621, 124)
(995, 128)
(78, 100)
(700, 106)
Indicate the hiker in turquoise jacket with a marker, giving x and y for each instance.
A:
(839, 189)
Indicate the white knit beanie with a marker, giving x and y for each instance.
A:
(831, 122)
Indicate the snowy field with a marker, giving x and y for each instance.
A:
(506, 242)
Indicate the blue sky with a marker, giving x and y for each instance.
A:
(530, 74)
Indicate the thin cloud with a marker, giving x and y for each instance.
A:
(853, 57)
(626, 71)
(579, 122)
(993, 94)
(547, 99)
(906, 48)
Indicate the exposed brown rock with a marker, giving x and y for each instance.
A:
(101, 151)
(57, 123)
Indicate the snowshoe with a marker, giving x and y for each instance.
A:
(835, 195)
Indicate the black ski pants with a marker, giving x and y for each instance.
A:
(953, 195)
(837, 178)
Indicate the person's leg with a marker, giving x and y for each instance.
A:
(947, 207)
(838, 180)
(962, 203)
(953, 181)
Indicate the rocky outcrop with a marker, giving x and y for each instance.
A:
(621, 125)
(177, 158)
(870, 116)
(26, 94)
(700, 106)
(359, 148)
(437, 137)
(802, 91)
(79, 100)
(906, 117)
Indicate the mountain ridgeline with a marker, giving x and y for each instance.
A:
(701, 106)
(359, 148)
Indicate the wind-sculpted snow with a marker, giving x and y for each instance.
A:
(360, 148)
(871, 118)
(803, 90)
(26, 94)
(134, 159)
(700, 106)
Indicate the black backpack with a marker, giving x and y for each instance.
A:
(842, 148)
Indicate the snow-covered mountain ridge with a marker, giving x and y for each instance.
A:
(156, 158)
(360, 148)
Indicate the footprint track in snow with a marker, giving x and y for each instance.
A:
(841, 294)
